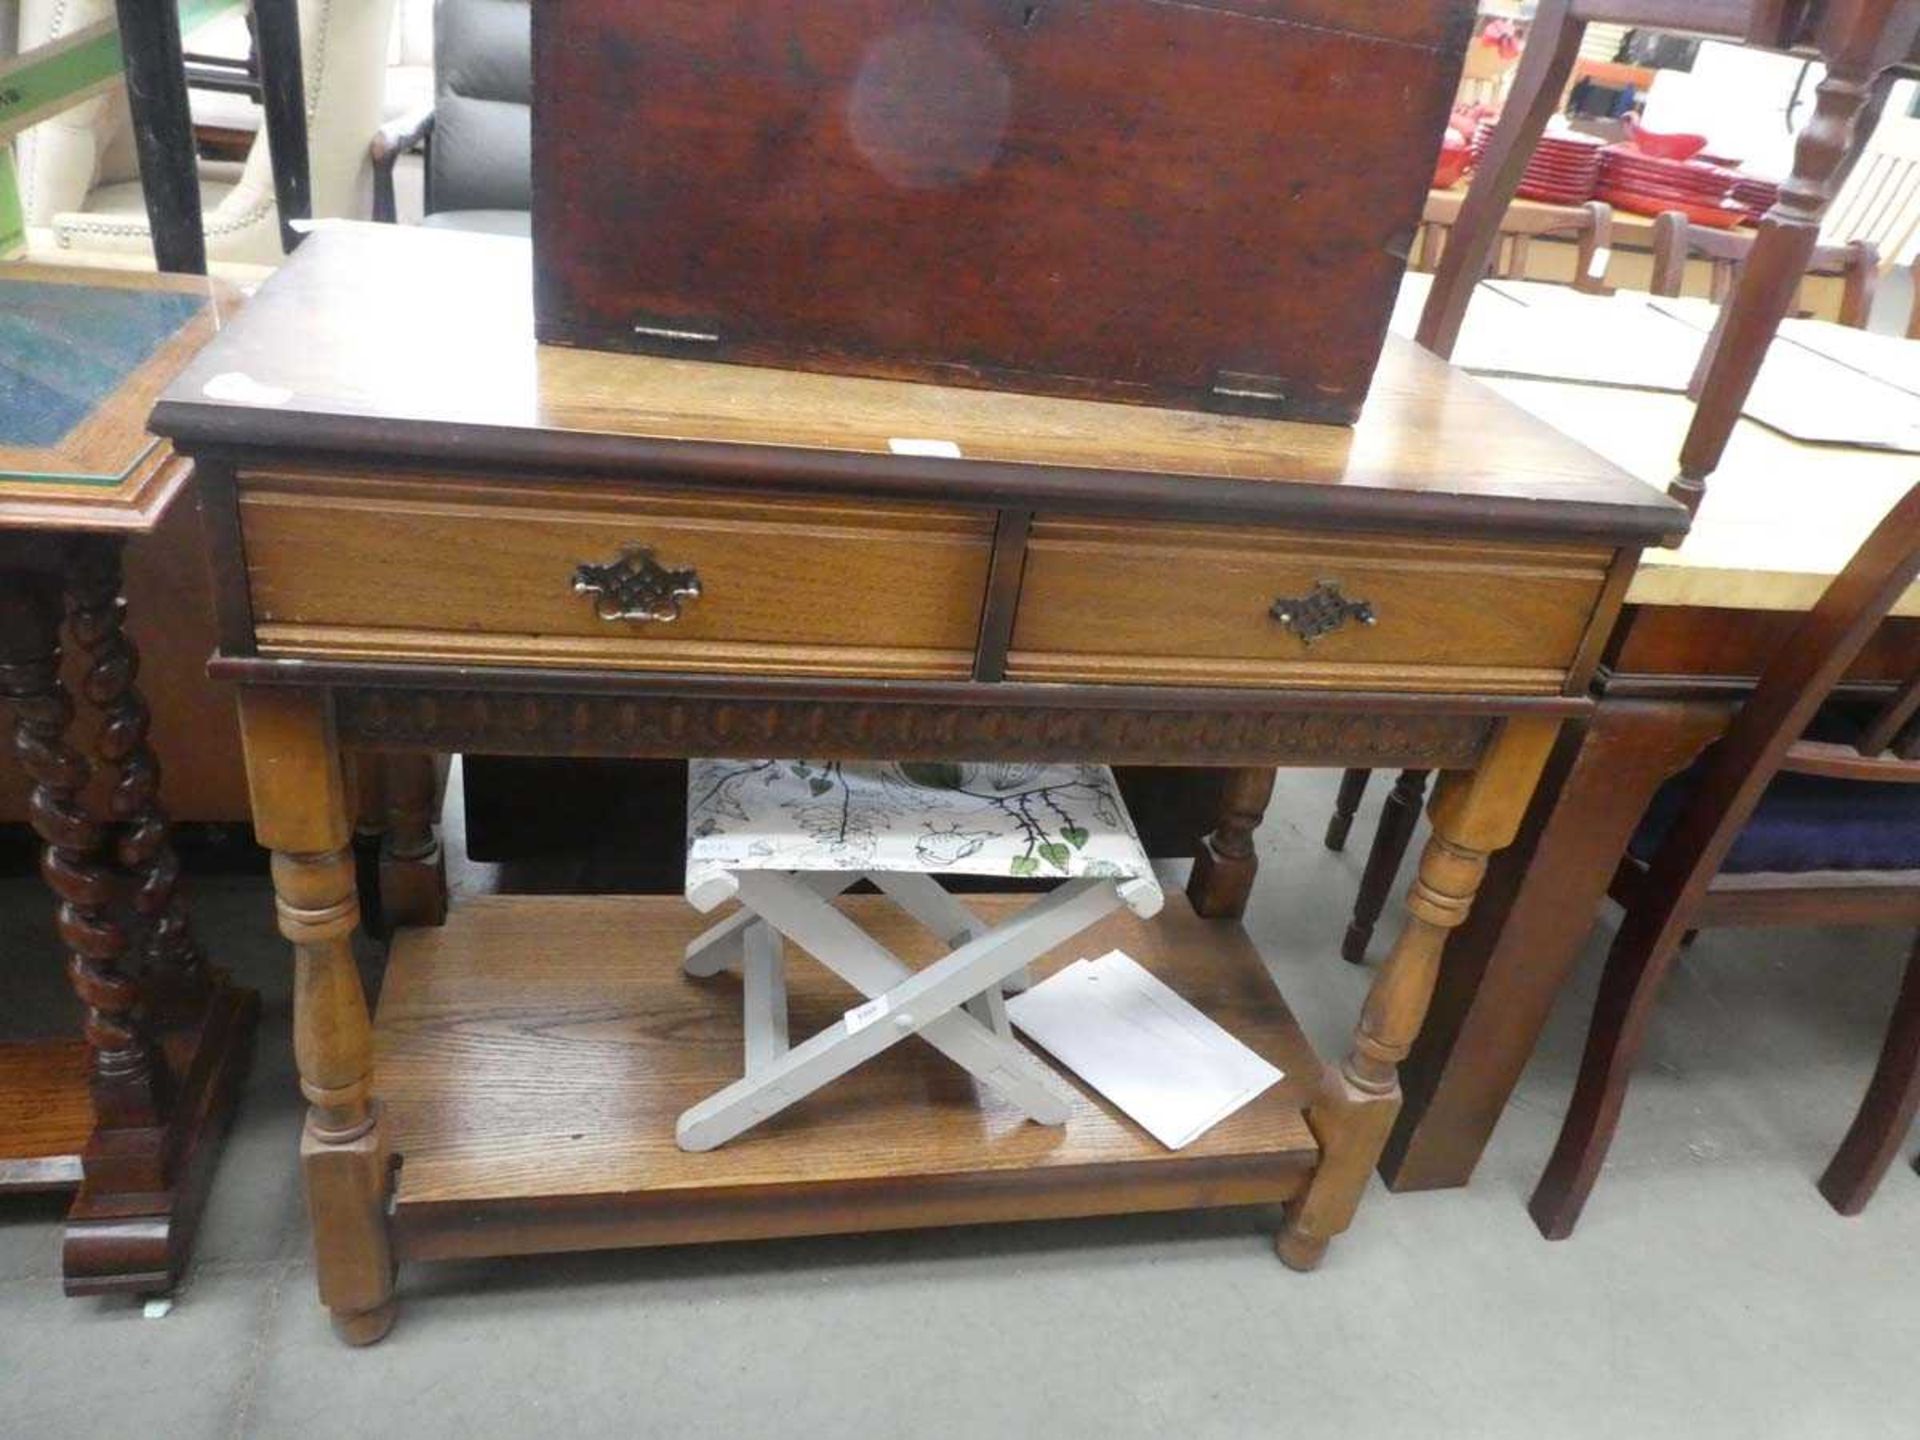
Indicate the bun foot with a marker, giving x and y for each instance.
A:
(1297, 1249)
(369, 1327)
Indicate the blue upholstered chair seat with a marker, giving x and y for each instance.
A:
(1806, 822)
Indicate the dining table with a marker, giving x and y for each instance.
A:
(1829, 440)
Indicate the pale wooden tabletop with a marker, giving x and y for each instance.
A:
(1781, 516)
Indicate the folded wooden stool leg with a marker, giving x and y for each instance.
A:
(929, 1003)
(786, 837)
(719, 948)
(923, 897)
(764, 972)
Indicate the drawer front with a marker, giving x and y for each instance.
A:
(367, 567)
(1136, 602)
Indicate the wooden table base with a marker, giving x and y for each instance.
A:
(125, 1241)
(532, 1055)
(120, 1242)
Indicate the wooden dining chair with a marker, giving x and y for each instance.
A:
(1862, 43)
(1588, 226)
(1676, 240)
(1800, 814)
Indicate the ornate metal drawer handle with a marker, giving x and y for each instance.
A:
(636, 587)
(1320, 612)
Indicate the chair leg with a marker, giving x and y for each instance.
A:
(1642, 954)
(1553, 45)
(1769, 280)
(1886, 1112)
(1397, 820)
(1353, 784)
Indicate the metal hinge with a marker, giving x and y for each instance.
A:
(1250, 394)
(674, 334)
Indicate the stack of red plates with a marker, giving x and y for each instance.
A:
(1562, 170)
(1755, 196)
(1648, 185)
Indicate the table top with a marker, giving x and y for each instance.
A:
(83, 354)
(1781, 516)
(417, 343)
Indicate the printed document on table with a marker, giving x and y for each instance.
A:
(1132, 1038)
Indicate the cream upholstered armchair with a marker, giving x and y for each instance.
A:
(79, 181)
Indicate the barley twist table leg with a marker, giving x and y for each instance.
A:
(177, 975)
(123, 1076)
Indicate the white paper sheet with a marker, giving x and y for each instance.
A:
(1132, 1038)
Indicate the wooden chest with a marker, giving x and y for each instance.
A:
(1195, 203)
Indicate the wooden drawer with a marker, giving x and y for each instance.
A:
(1134, 601)
(387, 568)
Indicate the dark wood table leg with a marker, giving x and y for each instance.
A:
(176, 972)
(1398, 817)
(125, 1083)
(163, 132)
(166, 1046)
(1223, 871)
(1353, 785)
(123, 1236)
(1504, 967)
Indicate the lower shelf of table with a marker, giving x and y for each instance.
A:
(46, 1114)
(532, 1055)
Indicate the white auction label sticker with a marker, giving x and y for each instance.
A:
(939, 449)
(238, 389)
(861, 1016)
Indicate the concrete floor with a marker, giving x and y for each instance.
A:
(1708, 1292)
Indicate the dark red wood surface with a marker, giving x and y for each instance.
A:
(1127, 199)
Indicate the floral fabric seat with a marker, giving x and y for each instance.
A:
(1019, 821)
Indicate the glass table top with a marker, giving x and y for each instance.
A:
(69, 351)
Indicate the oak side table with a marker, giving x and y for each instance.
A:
(131, 1114)
(432, 535)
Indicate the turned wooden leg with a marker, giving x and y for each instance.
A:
(413, 870)
(1886, 1112)
(124, 1080)
(1473, 814)
(1504, 968)
(1223, 871)
(1769, 280)
(176, 971)
(1397, 819)
(301, 813)
(1353, 784)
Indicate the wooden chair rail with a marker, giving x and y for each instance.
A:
(1676, 240)
(1843, 762)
